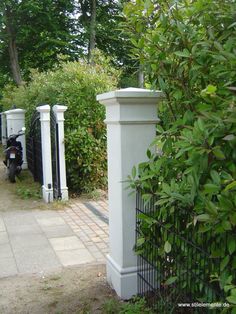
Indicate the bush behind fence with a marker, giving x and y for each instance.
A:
(177, 262)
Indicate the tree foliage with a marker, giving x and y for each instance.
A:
(188, 51)
(74, 84)
(41, 31)
(109, 35)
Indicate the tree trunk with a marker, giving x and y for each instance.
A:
(140, 77)
(92, 39)
(12, 48)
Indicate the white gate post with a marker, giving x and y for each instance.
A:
(15, 120)
(131, 118)
(59, 114)
(47, 188)
(4, 129)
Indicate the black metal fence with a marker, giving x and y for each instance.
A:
(175, 261)
(34, 148)
(55, 157)
(34, 152)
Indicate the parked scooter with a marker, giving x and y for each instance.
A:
(14, 154)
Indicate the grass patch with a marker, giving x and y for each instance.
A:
(93, 195)
(26, 187)
(2, 155)
(134, 306)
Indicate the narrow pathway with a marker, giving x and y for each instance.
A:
(38, 241)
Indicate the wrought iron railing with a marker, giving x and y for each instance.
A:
(34, 148)
(55, 157)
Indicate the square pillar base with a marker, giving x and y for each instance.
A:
(123, 280)
(64, 194)
(47, 194)
(24, 165)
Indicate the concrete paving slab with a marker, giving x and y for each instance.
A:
(50, 221)
(24, 229)
(3, 237)
(66, 243)
(36, 260)
(57, 231)
(5, 250)
(75, 257)
(19, 220)
(2, 225)
(45, 214)
(23, 242)
(7, 267)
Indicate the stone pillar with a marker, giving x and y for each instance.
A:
(47, 187)
(4, 129)
(131, 118)
(59, 114)
(15, 120)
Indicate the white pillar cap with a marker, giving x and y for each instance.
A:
(44, 108)
(15, 111)
(59, 108)
(131, 106)
(130, 92)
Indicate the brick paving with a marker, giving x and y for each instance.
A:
(89, 221)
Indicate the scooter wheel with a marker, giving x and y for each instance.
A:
(12, 172)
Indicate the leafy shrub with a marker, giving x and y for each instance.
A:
(74, 84)
(188, 50)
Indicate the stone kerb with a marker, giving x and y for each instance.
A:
(131, 118)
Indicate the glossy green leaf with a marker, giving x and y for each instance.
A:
(203, 217)
(224, 263)
(231, 299)
(171, 280)
(230, 186)
(167, 247)
(231, 245)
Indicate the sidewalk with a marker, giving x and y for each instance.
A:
(40, 241)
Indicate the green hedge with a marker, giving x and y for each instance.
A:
(188, 51)
(74, 84)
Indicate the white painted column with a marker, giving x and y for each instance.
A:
(131, 118)
(59, 114)
(4, 129)
(15, 120)
(47, 187)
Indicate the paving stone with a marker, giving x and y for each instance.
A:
(98, 255)
(36, 260)
(51, 221)
(57, 231)
(66, 243)
(75, 257)
(3, 237)
(24, 242)
(19, 220)
(45, 214)
(7, 267)
(24, 229)
(2, 225)
(5, 250)
(102, 245)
